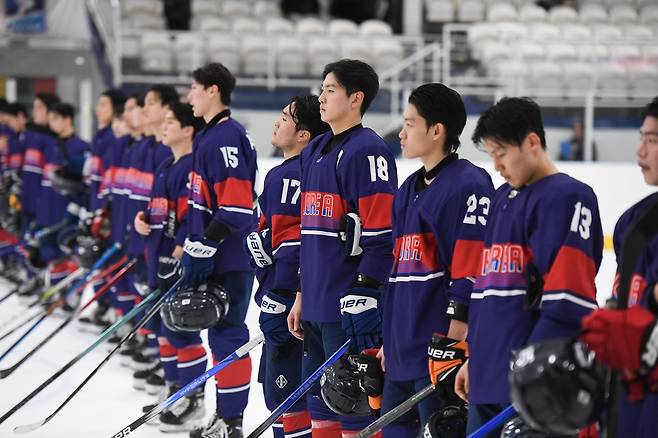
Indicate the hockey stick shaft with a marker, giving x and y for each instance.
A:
(494, 423)
(237, 354)
(299, 392)
(47, 313)
(396, 412)
(156, 307)
(102, 291)
(21, 324)
(8, 294)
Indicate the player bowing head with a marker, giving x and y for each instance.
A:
(512, 133)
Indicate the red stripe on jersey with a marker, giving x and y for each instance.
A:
(285, 227)
(6, 238)
(262, 222)
(415, 253)
(181, 208)
(234, 192)
(466, 258)
(34, 157)
(191, 353)
(376, 210)
(572, 270)
(296, 421)
(234, 375)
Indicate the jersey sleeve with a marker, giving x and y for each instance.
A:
(566, 241)
(182, 228)
(369, 179)
(286, 232)
(469, 222)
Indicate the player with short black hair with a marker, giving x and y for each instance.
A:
(627, 340)
(221, 200)
(542, 248)
(440, 213)
(348, 181)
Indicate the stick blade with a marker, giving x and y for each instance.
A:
(27, 428)
(6, 372)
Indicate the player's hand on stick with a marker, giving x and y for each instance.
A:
(141, 226)
(295, 318)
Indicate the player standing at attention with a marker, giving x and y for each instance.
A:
(628, 339)
(542, 248)
(221, 214)
(274, 249)
(439, 215)
(348, 181)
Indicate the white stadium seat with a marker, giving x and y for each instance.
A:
(545, 31)
(650, 53)
(212, 23)
(643, 78)
(205, 7)
(531, 13)
(278, 26)
(532, 51)
(576, 32)
(562, 14)
(479, 34)
(235, 8)
(638, 32)
(561, 52)
(247, 26)
(321, 51)
(356, 48)
(578, 77)
(544, 75)
(593, 52)
(495, 53)
(375, 28)
(625, 52)
(612, 79)
(607, 33)
(440, 11)
(470, 11)
(290, 57)
(254, 54)
(143, 20)
(340, 27)
(512, 31)
(593, 13)
(266, 8)
(188, 51)
(623, 14)
(509, 71)
(501, 12)
(311, 26)
(386, 53)
(156, 52)
(224, 49)
(649, 14)
(131, 7)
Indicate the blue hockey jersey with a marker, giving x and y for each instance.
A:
(279, 205)
(359, 176)
(167, 212)
(438, 233)
(222, 185)
(36, 144)
(543, 247)
(638, 419)
(116, 186)
(98, 163)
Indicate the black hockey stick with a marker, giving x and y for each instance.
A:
(21, 324)
(102, 291)
(30, 427)
(635, 241)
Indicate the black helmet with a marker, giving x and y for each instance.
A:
(517, 428)
(66, 183)
(87, 250)
(556, 386)
(196, 308)
(342, 391)
(67, 238)
(448, 422)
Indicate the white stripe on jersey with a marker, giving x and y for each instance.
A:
(231, 390)
(376, 233)
(33, 169)
(569, 297)
(198, 206)
(320, 233)
(410, 278)
(497, 293)
(194, 362)
(139, 197)
(295, 243)
(238, 210)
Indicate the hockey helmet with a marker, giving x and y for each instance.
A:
(448, 422)
(67, 238)
(341, 389)
(196, 308)
(87, 250)
(67, 183)
(517, 428)
(556, 386)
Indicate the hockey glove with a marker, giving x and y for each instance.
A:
(198, 259)
(259, 248)
(623, 339)
(168, 272)
(371, 376)
(274, 310)
(100, 224)
(350, 235)
(445, 357)
(361, 319)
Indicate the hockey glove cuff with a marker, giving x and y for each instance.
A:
(274, 310)
(361, 318)
(371, 376)
(445, 357)
(198, 259)
(168, 272)
(259, 248)
(350, 236)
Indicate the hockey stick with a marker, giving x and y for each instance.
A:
(102, 291)
(21, 324)
(63, 283)
(297, 393)
(237, 354)
(30, 427)
(494, 423)
(635, 241)
(51, 308)
(396, 412)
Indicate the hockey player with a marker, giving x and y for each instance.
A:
(542, 249)
(221, 214)
(164, 223)
(438, 234)
(627, 340)
(348, 181)
(274, 249)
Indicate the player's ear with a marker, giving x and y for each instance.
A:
(437, 131)
(303, 136)
(533, 141)
(357, 99)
